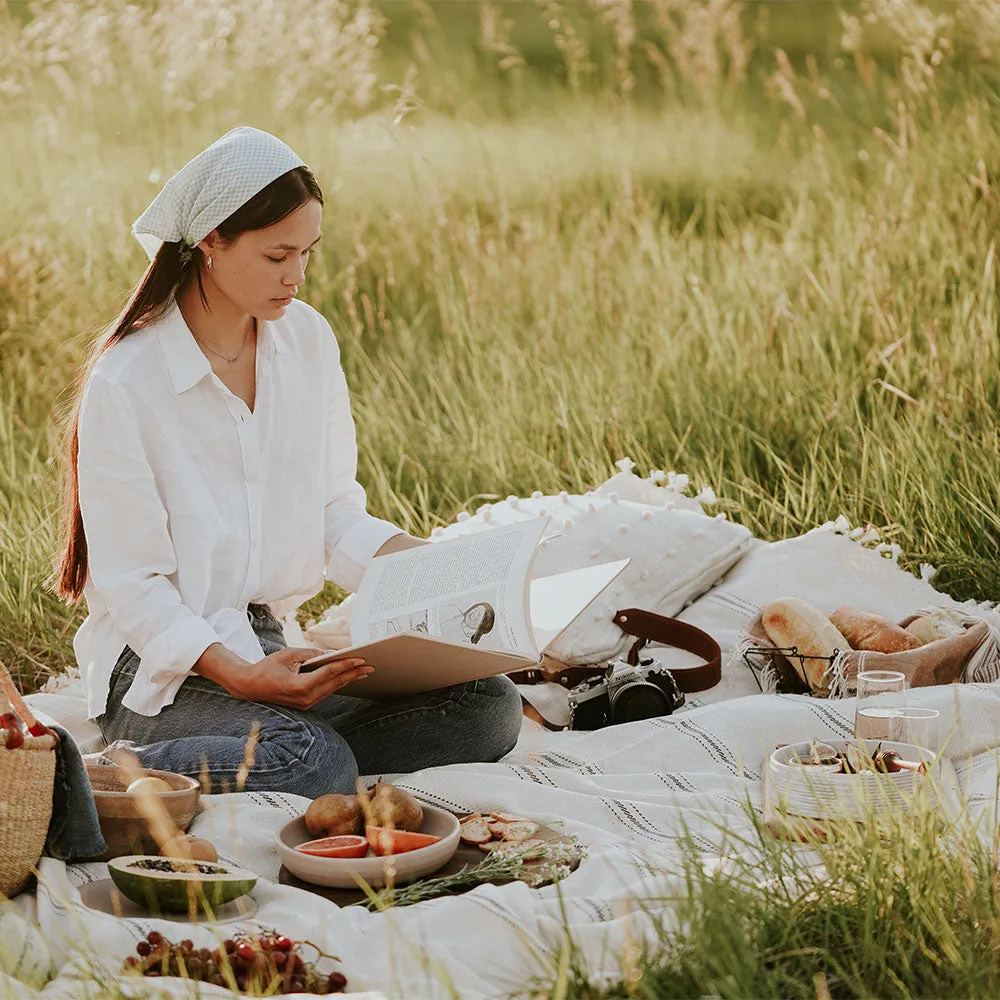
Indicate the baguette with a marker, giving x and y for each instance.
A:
(792, 622)
(942, 624)
(872, 632)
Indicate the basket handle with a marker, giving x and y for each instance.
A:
(13, 709)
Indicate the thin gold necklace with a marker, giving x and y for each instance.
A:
(252, 325)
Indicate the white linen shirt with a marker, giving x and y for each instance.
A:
(194, 507)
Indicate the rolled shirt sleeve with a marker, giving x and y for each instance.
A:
(130, 551)
(353, 536)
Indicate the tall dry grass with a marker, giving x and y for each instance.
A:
(756, 243)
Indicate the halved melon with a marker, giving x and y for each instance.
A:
(173, 885)
(345, 846)
(384, 841)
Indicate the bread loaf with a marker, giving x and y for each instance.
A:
(942, 624)
(872, 632)
(794, 622)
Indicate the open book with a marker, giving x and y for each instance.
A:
(461, 609)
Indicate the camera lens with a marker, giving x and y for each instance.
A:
(638, 700)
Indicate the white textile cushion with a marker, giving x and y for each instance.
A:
(676, 556)
(677, 553)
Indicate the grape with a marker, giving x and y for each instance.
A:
(267, 962)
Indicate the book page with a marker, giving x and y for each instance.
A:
(558, 600)
(471, 590)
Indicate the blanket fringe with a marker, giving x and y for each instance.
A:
(745, 656)
(838, 684)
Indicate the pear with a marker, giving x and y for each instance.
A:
(394, 808)
(334, 816)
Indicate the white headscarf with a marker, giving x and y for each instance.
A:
(209, 188)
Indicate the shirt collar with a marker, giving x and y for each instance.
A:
(186, 362)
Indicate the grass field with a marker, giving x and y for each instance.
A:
(756, 245)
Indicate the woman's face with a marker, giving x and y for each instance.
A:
(262, 270)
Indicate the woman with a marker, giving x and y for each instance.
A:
(212, 483)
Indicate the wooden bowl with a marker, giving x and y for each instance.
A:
(126, 830)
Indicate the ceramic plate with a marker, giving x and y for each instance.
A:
(345, 873)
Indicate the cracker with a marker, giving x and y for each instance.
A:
(475, 831)
(520, 831)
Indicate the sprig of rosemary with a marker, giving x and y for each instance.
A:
(495, 866)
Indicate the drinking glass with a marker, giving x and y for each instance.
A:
(922, 727)
(881, 700)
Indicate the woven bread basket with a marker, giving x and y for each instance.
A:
(27, 773)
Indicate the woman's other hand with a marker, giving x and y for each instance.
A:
(277, 679)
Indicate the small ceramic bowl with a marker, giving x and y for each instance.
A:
(126, 830)
(345, 873)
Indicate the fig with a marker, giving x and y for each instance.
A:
(393, 807)
(191, 848)
(334, 816)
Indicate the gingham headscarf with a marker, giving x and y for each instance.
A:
(209, 188)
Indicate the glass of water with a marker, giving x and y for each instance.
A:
(881, 704)
(923, 728)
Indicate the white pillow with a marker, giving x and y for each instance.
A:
(676, 556)
(677, 553)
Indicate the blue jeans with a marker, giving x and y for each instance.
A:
(204, 732)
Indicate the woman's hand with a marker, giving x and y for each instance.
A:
(276, 678)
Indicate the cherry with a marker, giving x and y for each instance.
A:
(143, 948)
(245, 951)
(336, 981)
(154, 937)
(283, 943)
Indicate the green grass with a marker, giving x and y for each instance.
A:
(907, 908)
(780, 281)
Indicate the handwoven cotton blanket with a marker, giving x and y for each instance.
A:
(634, 796)
(639, 797)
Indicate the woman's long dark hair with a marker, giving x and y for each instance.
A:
(165, 275)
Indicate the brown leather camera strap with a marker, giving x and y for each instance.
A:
(646, 626)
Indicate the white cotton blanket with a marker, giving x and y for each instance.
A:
(633, 795)
(630, 794)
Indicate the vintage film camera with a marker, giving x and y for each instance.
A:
(624, 693)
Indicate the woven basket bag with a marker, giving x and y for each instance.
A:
(27, 773)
